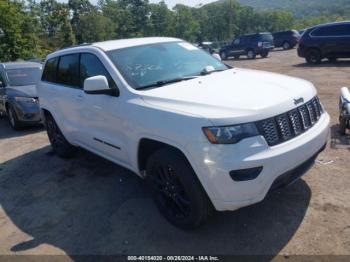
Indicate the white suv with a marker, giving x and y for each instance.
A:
(205, 136)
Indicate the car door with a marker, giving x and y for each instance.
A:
(237, 48)
(67, 95)
(101, 128)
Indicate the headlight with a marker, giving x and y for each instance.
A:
(26, 99)
(230, 134)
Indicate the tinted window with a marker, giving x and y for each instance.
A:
(68, 70)
(335, 30)
(90, 66)
(23, 76)
(266, 37)
(2, 80)
(49, 73)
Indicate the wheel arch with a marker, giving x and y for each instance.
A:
(147, 146)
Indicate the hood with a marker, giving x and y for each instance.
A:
(233, 96)
(26, 91)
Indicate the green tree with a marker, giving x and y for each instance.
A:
(19, 38)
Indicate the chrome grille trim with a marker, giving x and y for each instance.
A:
(284, 127)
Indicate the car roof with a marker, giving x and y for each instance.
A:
(17, 65)
(118, 44)
(255, 34)
(333, 23)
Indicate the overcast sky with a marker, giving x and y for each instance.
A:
(170, 3)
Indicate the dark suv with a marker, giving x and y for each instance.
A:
(286, 39)
(329, 41)
(249, 45)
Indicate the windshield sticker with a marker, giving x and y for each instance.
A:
(188, 46)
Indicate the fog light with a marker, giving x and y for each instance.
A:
(246, 174)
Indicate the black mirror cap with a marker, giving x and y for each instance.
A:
(109, 91)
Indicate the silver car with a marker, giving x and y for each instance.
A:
(18, 96)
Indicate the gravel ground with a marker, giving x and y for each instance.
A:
(88, 205)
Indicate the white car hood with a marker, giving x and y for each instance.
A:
(232, 96)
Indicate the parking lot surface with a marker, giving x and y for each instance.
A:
(87, 205)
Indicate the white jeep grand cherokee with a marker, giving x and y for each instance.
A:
(205, 136)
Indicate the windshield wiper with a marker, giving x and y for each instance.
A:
(208, 72)
(166, 82)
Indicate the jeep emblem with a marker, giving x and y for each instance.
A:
(298, 101)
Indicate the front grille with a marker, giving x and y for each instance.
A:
(284, 127)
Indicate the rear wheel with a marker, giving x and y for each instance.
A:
(176, 190)
(251, 54)
(313, 56)
(13, 119)
(58, 142)
(223, 55)
(286, 45)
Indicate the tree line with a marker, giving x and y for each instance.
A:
(31, 29)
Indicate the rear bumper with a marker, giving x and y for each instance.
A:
(301, 52)
(213, 164)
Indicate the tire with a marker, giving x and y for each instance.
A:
(342, 125)
(313, 56)
(223, 55)
(286, 45)
(236, 57)
(13, 119)
(251, 54)
(176, 189)
(58, 142)
(264, 54)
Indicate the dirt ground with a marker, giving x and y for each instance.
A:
(87, 205)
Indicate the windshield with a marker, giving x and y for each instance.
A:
(142, 66)
(23, 76)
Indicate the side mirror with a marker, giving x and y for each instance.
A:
(98, 85)
(217, 56)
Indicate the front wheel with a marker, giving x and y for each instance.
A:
(13, 119)
(58, 142)
(264, 54)
(313, 56)
(176, 190)
(342, 125)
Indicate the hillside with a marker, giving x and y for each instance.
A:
(302, 8)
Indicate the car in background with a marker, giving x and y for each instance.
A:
(329, 41)
(286, 39)
(18, 96)
(249, 45)
(207, 46)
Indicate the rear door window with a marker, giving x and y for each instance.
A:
(68, 70)
(49, 73)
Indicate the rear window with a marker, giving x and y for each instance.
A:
(68, 70)
(23, 76)
(49, 73)
(266, 37)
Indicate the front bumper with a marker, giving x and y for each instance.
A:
(212, 164)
